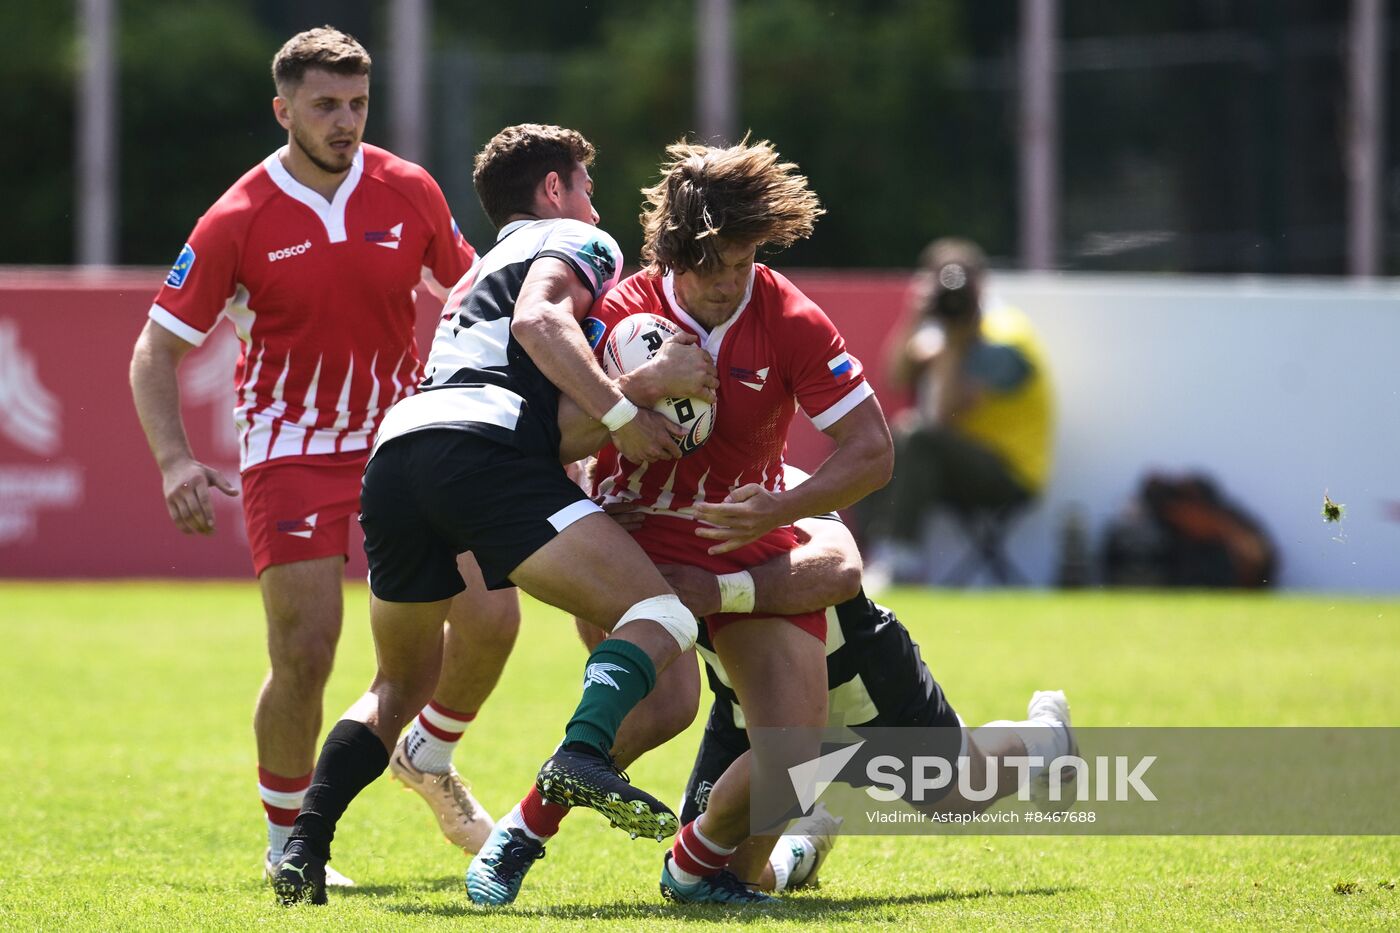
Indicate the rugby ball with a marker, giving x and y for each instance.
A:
(636, 339)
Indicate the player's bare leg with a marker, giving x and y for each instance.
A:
(482, 626)
(595, 570)
(779, 673)
(303, 605)
(408, 644)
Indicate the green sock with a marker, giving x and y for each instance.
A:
(618, 675)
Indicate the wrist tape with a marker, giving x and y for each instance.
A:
(619, 415)
(736, 592)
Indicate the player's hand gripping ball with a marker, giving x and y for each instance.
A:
(636, 339)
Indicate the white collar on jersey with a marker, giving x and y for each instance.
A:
(511, 227)
(710, 340)
(332, 213)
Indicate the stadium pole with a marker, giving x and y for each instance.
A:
(1039, 132)
(1365, 135)
(96, 137)
(408, 72)
(715, 93)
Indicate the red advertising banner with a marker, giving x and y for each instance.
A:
(80, 496)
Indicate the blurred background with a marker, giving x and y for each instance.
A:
(1196, 201)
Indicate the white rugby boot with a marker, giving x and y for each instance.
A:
(462, 819)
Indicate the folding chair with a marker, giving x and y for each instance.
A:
(986, 531)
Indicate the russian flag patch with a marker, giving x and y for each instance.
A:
(842, 367)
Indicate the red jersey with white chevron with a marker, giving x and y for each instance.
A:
(321, 293)
(776, 352)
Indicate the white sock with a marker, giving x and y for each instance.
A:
(781, 867)
(800, 854)
(513, 820)
(433, 737)
(783, 860)
(1046, 739)
(277, 838)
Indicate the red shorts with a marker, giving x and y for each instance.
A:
(669, 540)
(300, 509)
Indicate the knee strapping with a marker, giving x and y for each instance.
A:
(669, 613)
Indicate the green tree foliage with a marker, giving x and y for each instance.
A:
(863, 94)
(196, 104)
(858, 94)
(192, 117)
(37, 55)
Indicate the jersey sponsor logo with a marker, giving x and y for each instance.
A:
(593, 330)
(600, 672)
(288, 252)
(842, 367)
(600, 258)
(181, 270)
(755, 379)
(299, 527)
(389, 239)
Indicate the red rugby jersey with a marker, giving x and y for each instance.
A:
(778, 351)
(320, 293)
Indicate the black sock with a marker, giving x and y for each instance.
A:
(350, 760)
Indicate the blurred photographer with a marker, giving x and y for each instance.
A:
(979, 434)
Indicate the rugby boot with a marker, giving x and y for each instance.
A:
(462, 819)
(720, 888)
(494, 876)
(579, 776)
(301, 876)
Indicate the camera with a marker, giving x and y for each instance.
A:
(955, 295)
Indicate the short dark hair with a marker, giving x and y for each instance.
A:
(707, 194)
(324, 47)
(517, 159)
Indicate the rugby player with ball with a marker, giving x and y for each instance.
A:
(723, 507)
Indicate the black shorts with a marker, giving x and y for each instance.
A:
(923, 705)
(431, 495)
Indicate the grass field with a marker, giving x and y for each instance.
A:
(129, 797)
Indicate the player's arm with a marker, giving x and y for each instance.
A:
(156, 391)
(824, 570)
(862, 463)
(551, 303)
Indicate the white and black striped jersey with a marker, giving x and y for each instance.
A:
(477, 378)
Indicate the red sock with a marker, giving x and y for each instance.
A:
(540, 816)
(696, 855)
(281, 796)
(281, 799)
